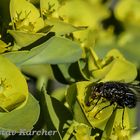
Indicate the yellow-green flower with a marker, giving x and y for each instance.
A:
(120, 134)
(114, 67)
(83, 132)
(128, 11)
(84, 13)
(13, 86)
(25, 16)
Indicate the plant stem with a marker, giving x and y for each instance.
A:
(42, 80)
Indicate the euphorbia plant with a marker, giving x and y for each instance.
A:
(68, 41)
(108, 120)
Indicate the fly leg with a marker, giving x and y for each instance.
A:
(101, 110)
(94, 104)
(123, 117)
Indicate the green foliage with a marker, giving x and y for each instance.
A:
(78, 43)
(23, 118)
(46, 53)
(53, 112)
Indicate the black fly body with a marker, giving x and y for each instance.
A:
(117, 93)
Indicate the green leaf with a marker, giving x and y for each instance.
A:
(114, 67)
(61, 73)
(23, 118)
(130, 48)
(23, 39)
(59, 93)
(89, 64)
(18, 57)
(54, 51)
(64, 73)
(109, 126)
(56, 115)
(34, 70)
(83, 67)
(71, 96)
(121, 73)
(16, 94)
(61, 28)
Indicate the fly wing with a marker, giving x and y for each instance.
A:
(135, 87)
